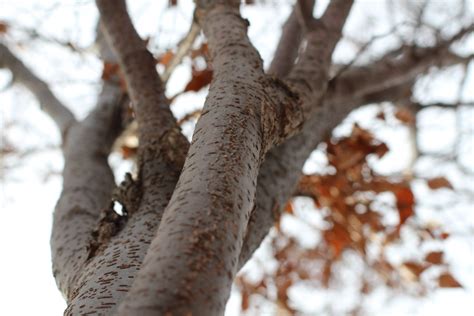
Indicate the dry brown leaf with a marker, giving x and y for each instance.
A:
(381, 115)
(166, 58)
(446, 280)
(110, 70)
(128, 152)
(203, 51)
(199, 80)
(4, 27)
(415, 268)
(405, 203)
(405, 116)
(439, 183)
(338, 238)
(289, 208)
(245, 300)
(434, 257)
(444, 235)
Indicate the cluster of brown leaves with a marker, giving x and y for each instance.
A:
(111, 72)
(200, 76)
(347, 197)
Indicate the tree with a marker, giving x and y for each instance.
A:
(194, 213)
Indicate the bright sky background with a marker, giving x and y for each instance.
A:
(29, 191)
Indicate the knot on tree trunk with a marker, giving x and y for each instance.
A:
(110, 224)
(175, 147)
(128, 194)
(281, 112)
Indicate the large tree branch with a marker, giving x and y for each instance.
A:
(158, 131)
(241, 120)
(110, 272)
(309, 77)
(87, 178)
(162, 147)
(216, 190)
(87, 186)
(88, 182)
(191, 262)
(394, 69)
(73, 229)
(282, 167)
(61, 115)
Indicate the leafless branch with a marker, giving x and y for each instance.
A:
(192, 115)
(443, 105)
(304, 9)
(289, 43)
(88, 183)
(392, 71)
(310, 74)
(183, 48)
(61, 115)
(34, 34)
(155, 120)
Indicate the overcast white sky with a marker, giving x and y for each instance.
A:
(29, 192)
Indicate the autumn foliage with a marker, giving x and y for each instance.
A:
(347, 218)
(353, 202)
(348, 198)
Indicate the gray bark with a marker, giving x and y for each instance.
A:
(182, 241)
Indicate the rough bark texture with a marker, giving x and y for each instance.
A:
(309, 77)
(94, 289)
(88, 182)
(181, 242)
(198, 241)
(112, 267)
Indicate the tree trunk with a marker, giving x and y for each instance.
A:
(196, 212)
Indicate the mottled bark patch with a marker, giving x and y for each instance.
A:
(291, 113)
(175, 147)
(110, 224)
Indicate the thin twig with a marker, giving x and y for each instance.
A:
(183, 48)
